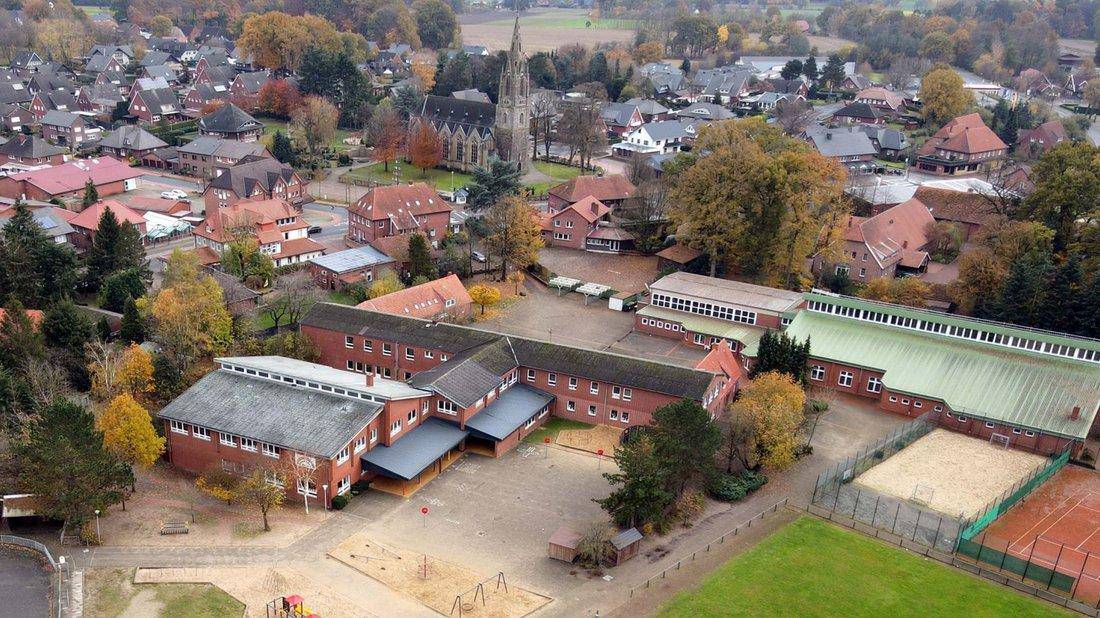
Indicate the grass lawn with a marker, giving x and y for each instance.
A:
(815, 569)
(439, 178)
(263, 319)
(551, 428)
(557, 172)
(110, 593)
(274, 124)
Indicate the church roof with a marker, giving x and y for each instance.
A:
(471, 116)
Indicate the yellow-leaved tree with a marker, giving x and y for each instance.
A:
(773, 406)
(484, 295)
(135, 372)
(128, 432)
(189, 315)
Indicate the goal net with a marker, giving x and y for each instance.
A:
(923, 494)
(1000, 439)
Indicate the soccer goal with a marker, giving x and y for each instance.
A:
(923, 494)
(1000, 439)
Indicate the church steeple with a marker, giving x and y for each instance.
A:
(512, 117)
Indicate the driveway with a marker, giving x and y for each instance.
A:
(24, 582)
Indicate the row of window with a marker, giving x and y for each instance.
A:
(661, 324)
(227, 439)
(617, 392)
(317, 386)
(960, 332)
(593, 410)
(704, 308)
(387, 348)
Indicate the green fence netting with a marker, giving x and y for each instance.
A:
(995, 510)
(1050, 578)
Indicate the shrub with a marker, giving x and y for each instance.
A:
(339, 502)
(594, 547)
(689, 506)
(734, 487)
(816, 406)
(359, 487)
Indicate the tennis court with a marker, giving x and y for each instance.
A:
(1057, 527)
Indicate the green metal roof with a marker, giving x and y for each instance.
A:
(1045, 336)
(714, 327)
(1026, 390)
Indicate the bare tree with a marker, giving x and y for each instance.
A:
(106, 360)
(293, 296)
(580, 128)
(793, 115)
(302, 469)
(903, 70)
(647, 212)
(543, 111)
(47, 381)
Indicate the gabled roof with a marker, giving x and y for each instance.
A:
(14, 92)
(471, 94)
(160, 100)
(841, 142)
(162, 72)
(31, 147)
(228, 119)
(648, 107)
(221, 147)
(100, 63)
(891, 98)
(589, 208)
(89, 217)
(471, 116)
(1049, 133)
(860, 111)
(960, 206)
(603, 188)
(893, 231)
(423, 301)
(131, 137)
(601, 366)
(251, 173)
(252, 81)
(155, 57)
(618, 114)
(57, 118)
(705, 111)
(400, 203)
(72, 176)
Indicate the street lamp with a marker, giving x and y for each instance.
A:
(98, 536)
(324, 486)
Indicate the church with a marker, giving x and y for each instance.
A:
(473, 131)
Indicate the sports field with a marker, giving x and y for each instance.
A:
(811, 568)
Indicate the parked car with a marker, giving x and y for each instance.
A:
(313, 229)
(478, 256)
(174, 194)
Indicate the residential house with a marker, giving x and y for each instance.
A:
(854, 82)
(162, 158)
(570, 226)
(52, 100)
(86, 222)
(155, 58)
(1041, 139)
(209, 157)
(161, 72)
(25, 63)
(106, 69)
(48, 81)
(1033, 82)
(891, 102)
(797, 86)
(53, 220)
(68, 129)
(67, 180)
(612, 190)
(723, 85)
(148, 83)
(969, 210)
(767, 101)
(440, 300)
(156, 105)
(358, 265)
(398, 211)
(204, 94)
(122, 54)
(704, 111)
(848, 146)
(885, 245)
(15, 93)
(963, 145)
(130, 141)
(246, 87)
(276, 225)
(1076, 82)
(669, 136)
(232, 123)
(621, 118)
(160, 205)
(860, 113)
(31, 150)
(706, 311)
(890, 143)
(14, 117)
(255, 178)
(651, 110)
(99, 100)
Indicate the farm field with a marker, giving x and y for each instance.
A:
(823, 570)
(543, 29)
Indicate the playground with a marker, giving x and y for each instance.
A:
(447, 588)
(951, 473)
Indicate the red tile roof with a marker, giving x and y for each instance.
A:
(401, 203)
(960, 206)
(892, 99)
(89, 217)
(256, 214)
(893, 231)
(298, 246)
(588, 207)
(159, 204)
(34, 314)
(612, 187)
(965, 134)
(426, 300)
(73, 175)
(680, 254)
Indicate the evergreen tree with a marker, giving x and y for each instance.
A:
(456, 75)
(420, 258)
(91, 195)
(65, 327)
(283, 149)
(809, 67)
(783, 353)
(1061, 309)
(63, 462)
(132, 329)
(103, 329)
(685, 66)
(102, 254)
(641, 493)
(1089, 297)
(833, 73)
(1024, 289)
(685, 439)
(598, 70)
(491, 183)
(32, 267)
(792, 69)
(20, 338)
(121, 287)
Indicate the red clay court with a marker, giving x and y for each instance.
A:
(1057, 526)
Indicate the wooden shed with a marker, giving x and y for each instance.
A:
(626, 545)
(563, 545)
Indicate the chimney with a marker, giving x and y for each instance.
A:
(592, 206)
(1075, 414)
(370, 378)
(828, 136)
(905, 244)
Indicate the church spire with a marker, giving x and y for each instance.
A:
(516, 45)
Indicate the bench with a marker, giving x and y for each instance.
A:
(174, 527)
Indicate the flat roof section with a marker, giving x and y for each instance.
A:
(974, 379)
(410, 455)
(726, 291)
(508, 412)
(350, 380)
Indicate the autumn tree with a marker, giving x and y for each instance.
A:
(279, 98)
(758, 201)
(424, 72)
(484, 296)
(386, 133)
(242, 258)
(293, 296)
(219, 484)
(386, 284)
(135, 372)
(773, 404)
(425, 147)
(261, 493)
(514, 233)
(315, 123)
(189, 315)
(943, 96)
(1067, 183)
(909, 291)
(128, 432)
(436, 23)
(277, 41)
